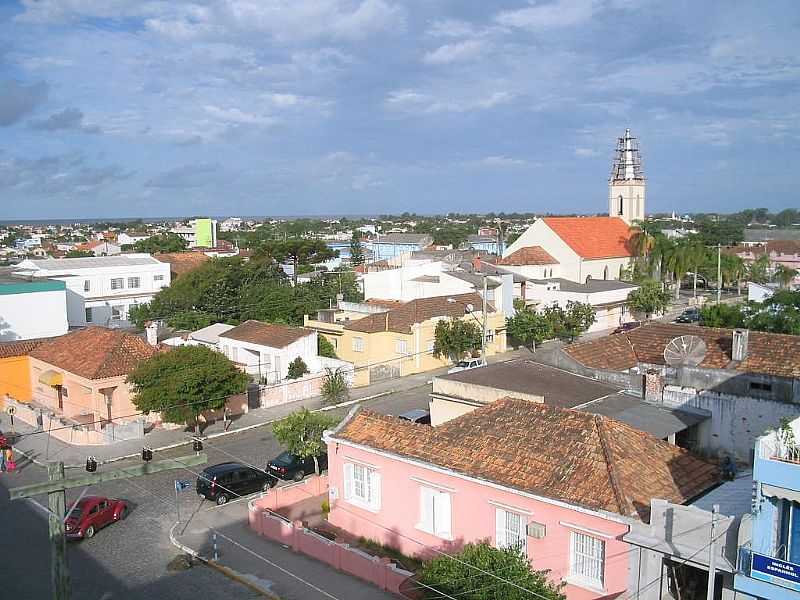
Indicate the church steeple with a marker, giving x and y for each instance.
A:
(626, 185)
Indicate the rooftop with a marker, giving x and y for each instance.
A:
(594, 237)
(571, 456)
(210, 334)
(530, 255)
(592, 286)
(94, 262)
(95, 352)
(181, 263)
(420, 239)
(763, 235)
(19, 347)
(401, 318)
(768, 353)
(272, 335)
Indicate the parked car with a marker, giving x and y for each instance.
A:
(93, 513)
(231, 480)
(465, 365)
(287, 466)
(625, 327)
(690, 315)
(419, 415)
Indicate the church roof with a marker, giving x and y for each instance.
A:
(594, 237)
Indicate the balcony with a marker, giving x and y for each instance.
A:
(777, 463)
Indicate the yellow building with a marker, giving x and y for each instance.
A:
(15, 378)
(399, 341)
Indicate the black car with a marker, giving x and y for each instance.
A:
(419, 415)
(690, 315)
(288, 466)
(227, 481)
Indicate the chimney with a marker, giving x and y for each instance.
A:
(151, 330)
(739, 346)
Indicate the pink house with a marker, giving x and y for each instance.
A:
(560, 484)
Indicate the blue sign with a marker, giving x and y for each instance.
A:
(182, 484)
(774, 570)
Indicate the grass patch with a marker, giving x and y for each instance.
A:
(372, 547)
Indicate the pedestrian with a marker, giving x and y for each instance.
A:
(226, 417)
(39, 421)
(2, 460)
(11, 466)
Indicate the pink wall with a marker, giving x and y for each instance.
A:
(473, 518)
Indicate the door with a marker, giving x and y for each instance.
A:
(104, 513)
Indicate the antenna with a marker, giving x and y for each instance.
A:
(685, 351)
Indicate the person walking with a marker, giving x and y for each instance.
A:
(11, 466)
(2, 460)
(39, 421)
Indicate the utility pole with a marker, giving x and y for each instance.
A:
(483, 333)
(719, 273)
(57, 485)
(712, 556)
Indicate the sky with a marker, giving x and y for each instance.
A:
(128, 108)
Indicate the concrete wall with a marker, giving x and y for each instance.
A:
(268, 362)
(473, 514)
(399, 284)
(451, 399)
(36, 314)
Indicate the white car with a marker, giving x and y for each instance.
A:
(465, 365)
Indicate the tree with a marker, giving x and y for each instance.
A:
(301, 433)
(722, 315)
(298, 251)
(530, 327)
(575, 320)
(297, 368)
(456, 337)
(649, 298)
(79, 254)
(758, 271)
(335, 386)
(167, 242)
(785, 275)
(643, 240)
(184, 382)
(462, 576)
(356, 249)
(325, 348)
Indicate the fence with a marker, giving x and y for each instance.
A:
(280, 497)
(302, 388)
(381, 572)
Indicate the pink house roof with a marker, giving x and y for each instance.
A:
(571, 456)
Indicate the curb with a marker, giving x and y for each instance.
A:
(210, 437)
(227, 571)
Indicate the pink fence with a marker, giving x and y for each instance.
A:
(280, 497)
(381, 572)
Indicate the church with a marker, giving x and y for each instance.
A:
(582, 249)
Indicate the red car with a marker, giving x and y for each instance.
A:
(93, 513)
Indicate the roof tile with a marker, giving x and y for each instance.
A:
(530, 255)
(594, 237)
(266, 334)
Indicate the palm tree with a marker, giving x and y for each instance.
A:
(733, 269)
(785, 275)
(643, 239)
(757, 272)
(696, 254)
(657, 260)
(678, 260)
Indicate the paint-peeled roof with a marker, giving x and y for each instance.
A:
(95, 352)
(594, 237)
(266, 334)
(530, 255)
(401, 319)
(582, 459)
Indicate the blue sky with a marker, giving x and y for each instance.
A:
(259, 107)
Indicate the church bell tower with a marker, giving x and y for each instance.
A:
(626, 186)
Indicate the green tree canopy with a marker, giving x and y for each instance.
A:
(79, 254)
(356, 249)
(301, 433)
(167, 242)
(649, 298)
(456, 337)
(722, 315)
(297, 368)
(530, 327)
(468, 577)
(183, 382)
(325, 348)
(299, 251)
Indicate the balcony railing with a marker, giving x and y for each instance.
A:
(770, 447)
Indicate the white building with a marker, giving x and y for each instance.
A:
(32, 309)
(101, 290)
(127, 239)
(231, 224)
(200, 233)
(266, 349)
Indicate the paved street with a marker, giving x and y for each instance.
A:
(128, 559)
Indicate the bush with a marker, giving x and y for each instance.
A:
(297, 368)
(335, 386)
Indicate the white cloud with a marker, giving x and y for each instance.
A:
(451, 28)
(238, 116)
(364, 181)
(500, 161)
(541, 16)
(586, 152)
(456, 52)
(412, 101)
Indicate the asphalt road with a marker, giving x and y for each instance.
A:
(128, 559)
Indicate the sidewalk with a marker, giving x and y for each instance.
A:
(41, 447)
(271, 568)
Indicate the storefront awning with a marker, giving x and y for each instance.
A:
(51, 378)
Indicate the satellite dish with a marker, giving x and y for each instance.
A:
(685, 351)
(470, 308)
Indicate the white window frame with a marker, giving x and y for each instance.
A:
(586, 560)
(401, 347)
(507, 533)
(134, 280)
(358, 344)
(435, 512)
(362, 486)
(117, 283)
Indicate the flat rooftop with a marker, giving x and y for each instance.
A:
(734, 497)
(120, 260)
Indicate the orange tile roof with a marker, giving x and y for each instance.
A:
(181, 263)
(266, 334)
(530, 255)
(773, 354)
(594, 237)
(572, 456)
(19, 347)
(401, 318)
(95, 352)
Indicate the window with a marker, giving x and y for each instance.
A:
(362, 486)
(619, 209)
(133, 282)
(401, 347)
(117, 284)
(435, 515)
(358, 344)
(87, 285)
(116, 312)
(489, 336)
(158, 278)
(760, 386)
(88, 315)
(587, 555)
(511, 530)
(788, 532)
